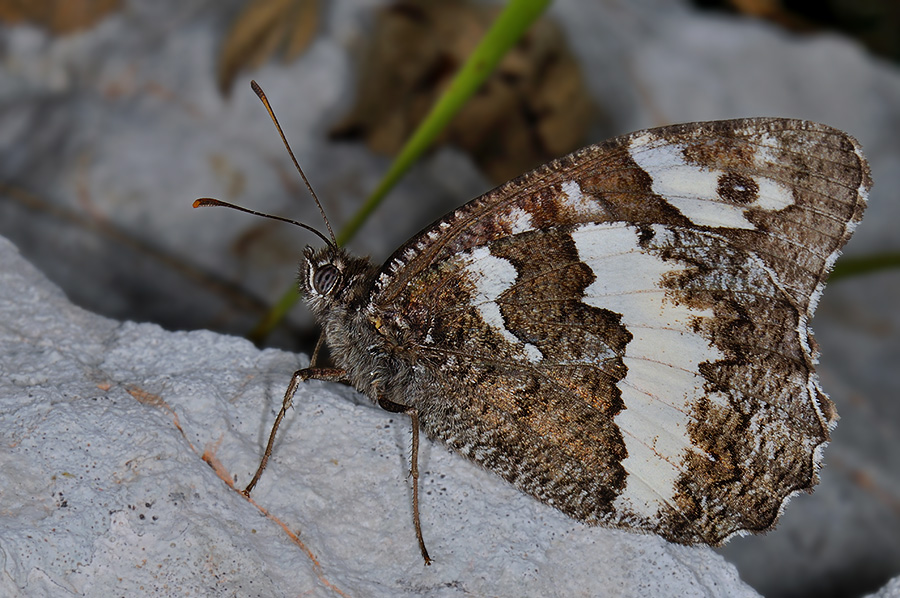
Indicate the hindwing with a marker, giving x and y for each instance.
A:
(623, 333)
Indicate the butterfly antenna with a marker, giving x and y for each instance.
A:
(262, 97)
(204, 202)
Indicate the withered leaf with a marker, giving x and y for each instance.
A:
(534, 107)
(57, 16)
(263, 29)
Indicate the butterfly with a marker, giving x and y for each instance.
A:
(622, 333)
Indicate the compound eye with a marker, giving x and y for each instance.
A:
(325, 279)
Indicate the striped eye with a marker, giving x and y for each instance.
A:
(325, 279)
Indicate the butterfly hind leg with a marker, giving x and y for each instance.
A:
(413, 414)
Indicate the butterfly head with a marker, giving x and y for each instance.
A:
(331, 278)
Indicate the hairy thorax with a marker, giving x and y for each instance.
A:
(369, 344)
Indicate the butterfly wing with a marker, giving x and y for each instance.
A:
(623, 333)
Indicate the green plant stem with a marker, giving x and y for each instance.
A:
(510, 26)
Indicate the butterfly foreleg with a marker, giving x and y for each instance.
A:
(299, 377)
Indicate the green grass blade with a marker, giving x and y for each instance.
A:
(855, 266)
(509, 27)
(275, 315)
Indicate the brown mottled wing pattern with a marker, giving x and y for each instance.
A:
(623, 333)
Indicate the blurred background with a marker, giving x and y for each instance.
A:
(115, 115)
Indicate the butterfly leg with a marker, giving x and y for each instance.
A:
(413, 414)
(299, 377)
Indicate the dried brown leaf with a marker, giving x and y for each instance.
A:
(57, 16)
(263, 29)
(533, 108)
(305, 22)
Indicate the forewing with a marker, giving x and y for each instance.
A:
(623, 333)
